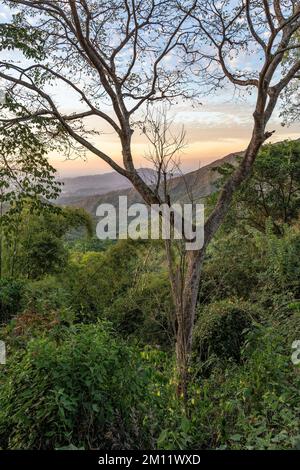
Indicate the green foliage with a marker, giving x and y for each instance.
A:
(28, 40)
(118, 275)
(231, 269)
(11, 291)
(74, 383)
(282, 262)
(84, 388)
(259, 402)
(35, 244)
(252, 265)
(27, 182)
(220, 329)
(43, 254)
(44, 295)
(84, 245)
(273, 190)
(127, 285)
(25, 173)
(287, 317)
(144, 311)
(95, 279)
(252, 405)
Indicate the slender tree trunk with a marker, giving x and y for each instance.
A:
(182, 360)
(185, 316)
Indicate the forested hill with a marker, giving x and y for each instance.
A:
(198, 184)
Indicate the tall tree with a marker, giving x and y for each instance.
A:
(26, 178)
(127, 54)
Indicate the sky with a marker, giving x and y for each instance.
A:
(222, 124)
(211, 135)
(212, 131)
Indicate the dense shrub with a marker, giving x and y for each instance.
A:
(281, 272)
(11, 291)
(82, 387)
(287, 317)
(42, 305)
(259, 402)
(251, 265)
(34, 245)
(228, 271)
(252, 405)
(220, 328)
(42, 254)
(144, 312)
(46, 295)
(95, 279)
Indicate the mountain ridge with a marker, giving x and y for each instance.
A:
(89, 185)
(194, 185)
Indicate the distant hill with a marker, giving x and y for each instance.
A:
(196, 184)
(82, 186)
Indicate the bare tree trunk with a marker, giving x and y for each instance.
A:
(185, 316)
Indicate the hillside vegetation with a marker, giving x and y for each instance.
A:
(89, 329)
